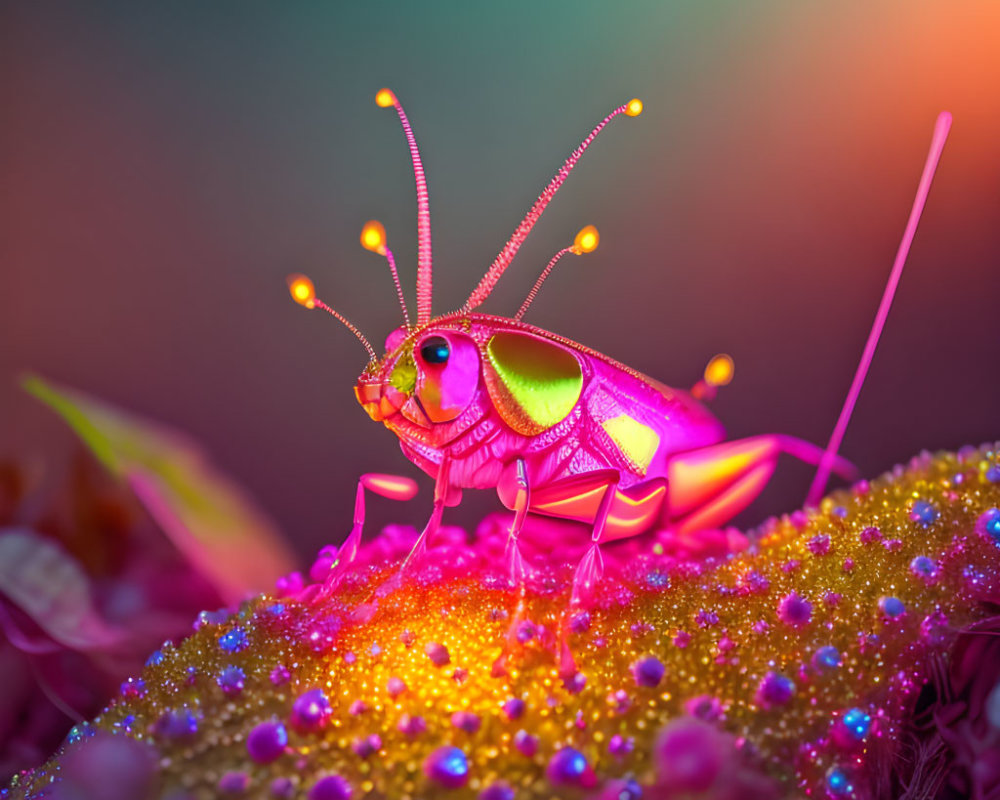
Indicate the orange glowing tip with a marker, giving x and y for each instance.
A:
(373, 237)
(719, 371)
(385, 98)
(586, 240)
(302, 290)
(634, 107)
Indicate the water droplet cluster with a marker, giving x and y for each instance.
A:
(801, 656)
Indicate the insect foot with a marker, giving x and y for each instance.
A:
(792, 666)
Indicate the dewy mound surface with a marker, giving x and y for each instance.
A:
(791, 667)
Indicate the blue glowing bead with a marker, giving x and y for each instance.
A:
(857, 723)
(924, 567)
(923, 512)
(837, 782)
(568, 766)
(234, 641)
(448, 766)
(993, 474)
(892, 607)
(79, 732)
(827, 658)
(989, 524)
(156, 657)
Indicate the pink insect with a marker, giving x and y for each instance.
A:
(556, 428)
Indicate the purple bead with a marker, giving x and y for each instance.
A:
(466, 721)
(280, 675)
(794, 610)
(497, 791)
(177, 724)
(267, 741)
(448, 767)
(513, 708)
(332, 787)
(367, 746)
(395, 687)
(526, 744)
(648, 671)
(282, 788)
(580, 622)
(775, 690)
(619, 746)
(411, 725)
(311, 710)
(575, 683)
(437, 653)
(568, 766)
(231, 680)
(234, 783)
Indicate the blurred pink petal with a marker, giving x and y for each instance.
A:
(210, 519)
(50, 587)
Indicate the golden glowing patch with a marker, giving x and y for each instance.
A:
(719, 371)
(586, 240)
(373, 236)
(385, 98)
(636, 441)
(634, 107)
(302, 290)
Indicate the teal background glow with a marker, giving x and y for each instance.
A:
(164, 166)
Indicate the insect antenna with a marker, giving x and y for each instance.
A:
(304, 293)
(373, 238)
(425, 264)
(632, 108)
(818, 486)
(585, 242)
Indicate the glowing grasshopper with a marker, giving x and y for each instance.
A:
(483, 402)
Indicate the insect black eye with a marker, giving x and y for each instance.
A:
(435, 350)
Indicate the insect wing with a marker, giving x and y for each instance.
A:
(533, 383)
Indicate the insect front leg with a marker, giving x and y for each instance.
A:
(441, 489)
(522, 500)
(591, 566)
(395, 487)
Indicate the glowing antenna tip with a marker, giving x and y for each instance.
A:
(373, 237)
(586, 240)
(719, 371)
(634, 107)
(302, 290)
(385, 98)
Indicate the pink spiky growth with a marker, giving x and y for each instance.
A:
(304, 293)
(941, 128)
(633, 108)
(425, 262)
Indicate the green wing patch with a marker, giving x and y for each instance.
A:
(534, 384)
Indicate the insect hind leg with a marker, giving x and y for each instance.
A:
(591, 567)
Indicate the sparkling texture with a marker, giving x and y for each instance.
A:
(723, 661)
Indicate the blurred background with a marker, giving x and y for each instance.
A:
(164, 166)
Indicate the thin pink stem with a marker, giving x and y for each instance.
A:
(425, 261)
(502, 261)
(350, 327)
(941, 129)
(399, 289)
(541, 279)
